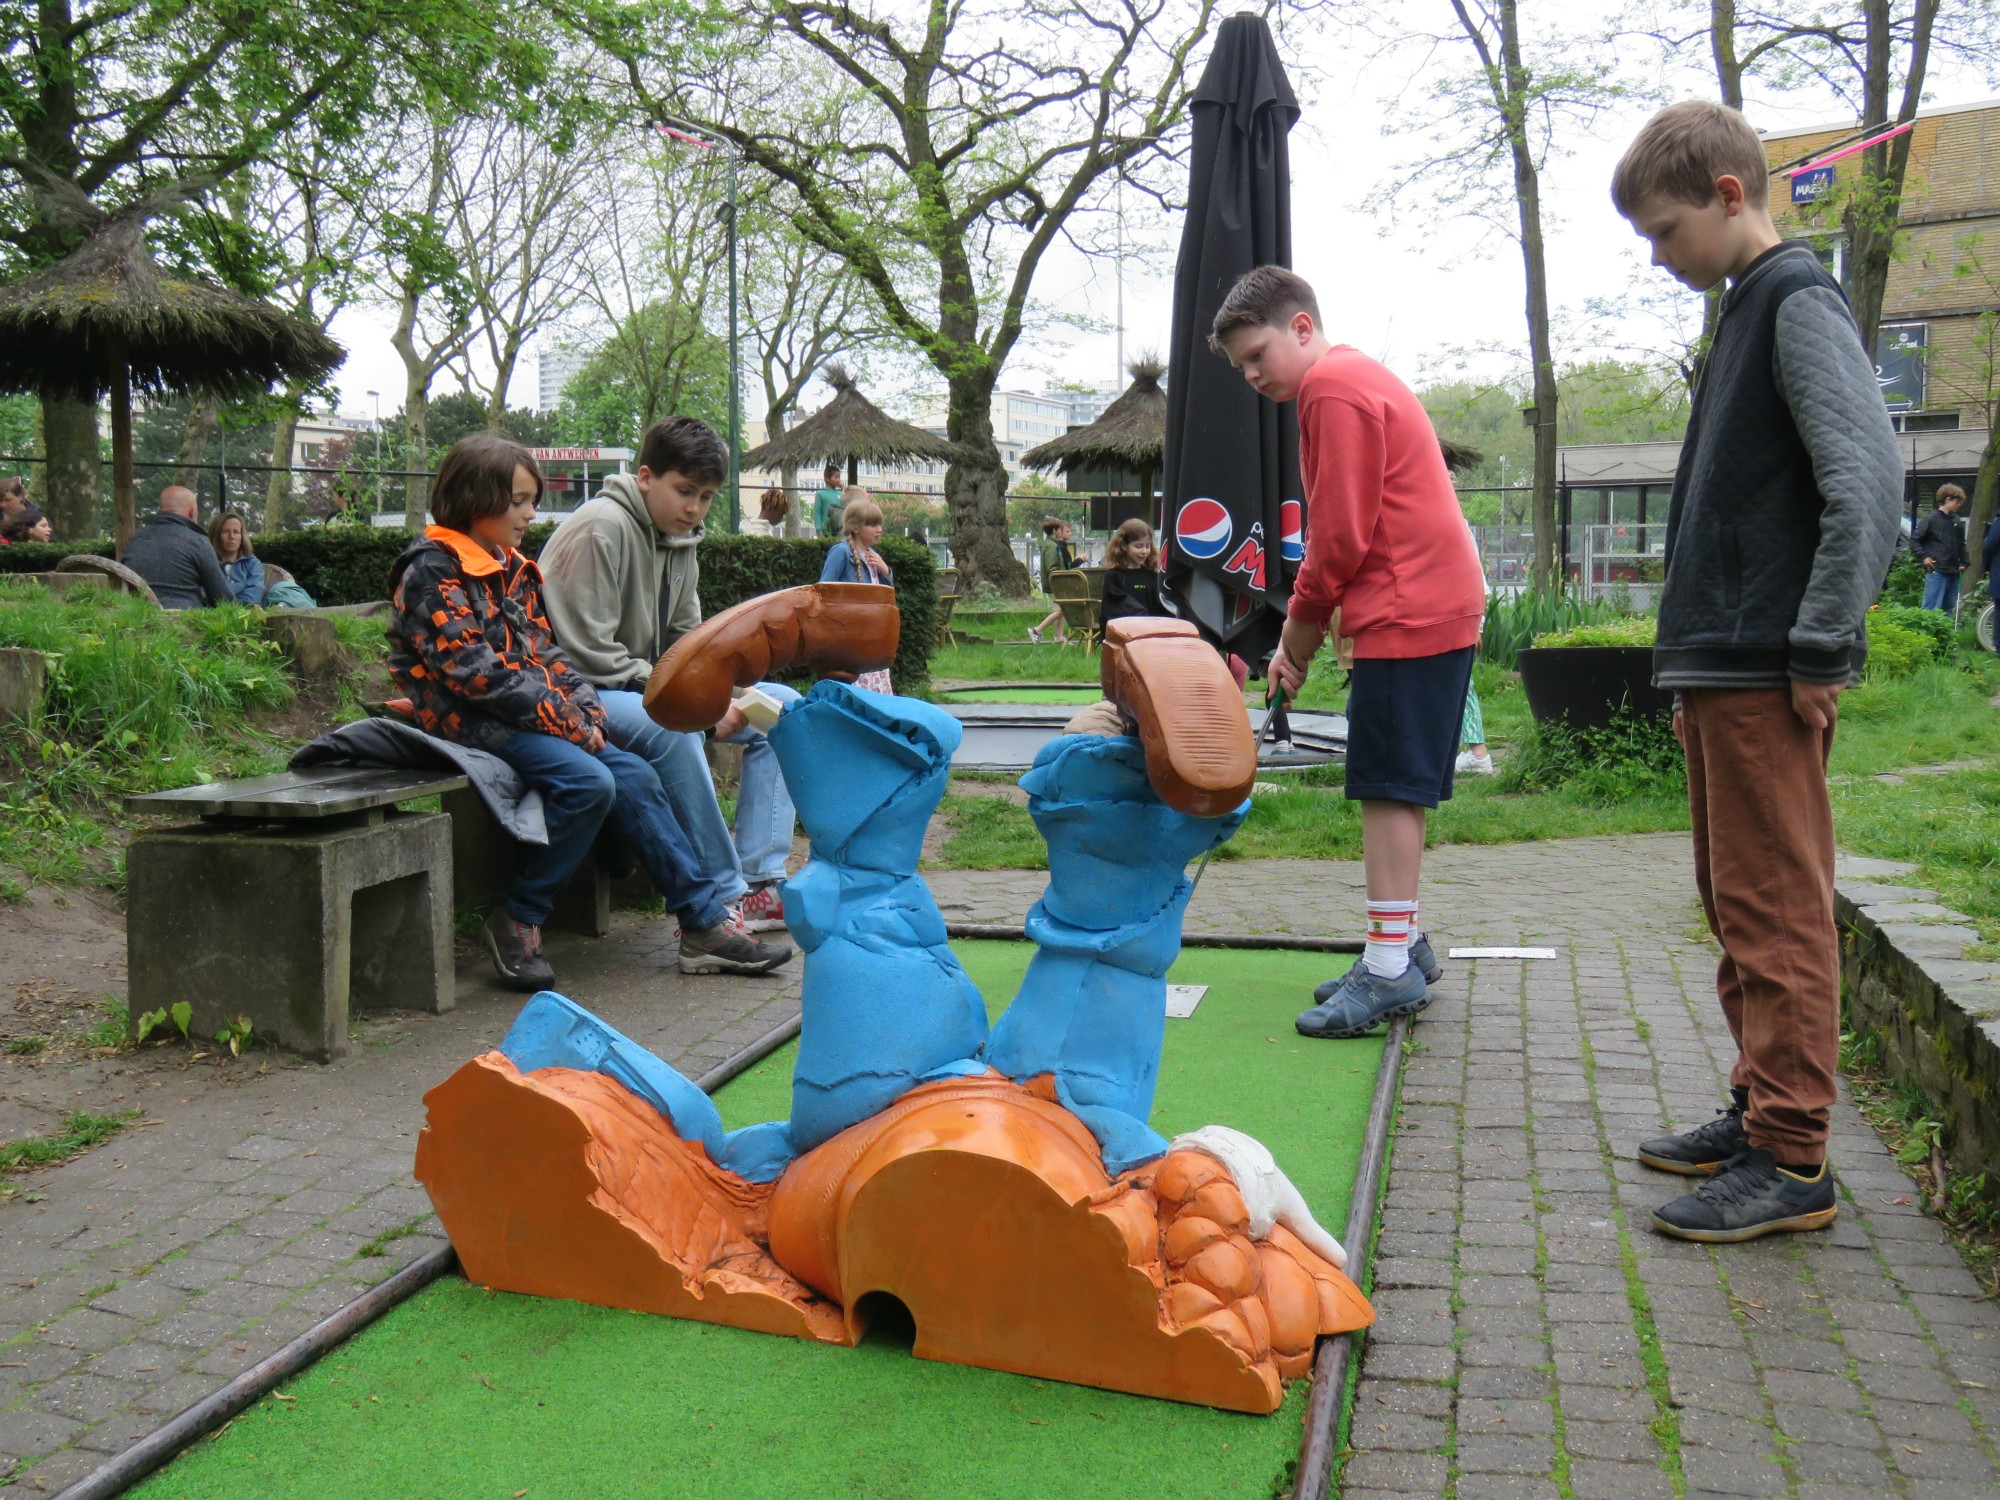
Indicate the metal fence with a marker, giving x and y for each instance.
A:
(1621, 563)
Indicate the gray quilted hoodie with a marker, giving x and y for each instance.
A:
(1788, 494)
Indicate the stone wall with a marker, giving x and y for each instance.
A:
(1936, 1012)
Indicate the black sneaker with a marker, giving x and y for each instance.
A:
(1700, 1151)
(727, 949)
(1750, 1197)
(517, 953)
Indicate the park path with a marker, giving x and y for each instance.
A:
(1535, 1339)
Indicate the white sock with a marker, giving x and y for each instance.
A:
(1387, 949)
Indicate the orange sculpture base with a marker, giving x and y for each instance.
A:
(982, 1205)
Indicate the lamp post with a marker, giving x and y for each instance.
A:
(377, 395)
(693, 135)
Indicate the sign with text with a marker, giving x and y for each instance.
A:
(580, 455)
(1902, 353)
(1812, 185)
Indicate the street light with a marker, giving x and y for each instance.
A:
(378, 448)
(694, 135)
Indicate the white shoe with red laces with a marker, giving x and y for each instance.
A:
(762, 910)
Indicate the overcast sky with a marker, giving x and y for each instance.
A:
(1412, 292)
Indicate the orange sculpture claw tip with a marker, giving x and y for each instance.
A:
(837, 629)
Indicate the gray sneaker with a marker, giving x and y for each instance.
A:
(1422, 959)
(1360, 1001)
(517, 953)
(1748, 1199)
(727, 949)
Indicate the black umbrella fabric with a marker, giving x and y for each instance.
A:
(1233, 525)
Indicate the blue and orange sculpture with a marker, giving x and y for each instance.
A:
(1005, 1188)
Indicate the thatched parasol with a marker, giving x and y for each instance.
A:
(107, 319)
(1131, 433)
(849, 428)
(1458, 457)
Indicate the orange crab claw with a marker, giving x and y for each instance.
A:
(1200, 754)
(837, 629)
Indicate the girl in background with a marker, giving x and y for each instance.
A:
(855, 560)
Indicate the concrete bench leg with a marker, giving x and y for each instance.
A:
(291, 925)
(482, 853)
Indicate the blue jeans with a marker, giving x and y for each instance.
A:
(579, 790)
(1941, 590)
(764, 812)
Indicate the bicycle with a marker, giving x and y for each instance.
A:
(1983, 627)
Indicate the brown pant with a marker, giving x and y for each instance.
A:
(1763, 859)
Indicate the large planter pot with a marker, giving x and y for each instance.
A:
(1589, 685)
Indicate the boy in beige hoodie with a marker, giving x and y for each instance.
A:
(622, 584)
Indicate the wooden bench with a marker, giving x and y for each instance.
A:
(294, 899)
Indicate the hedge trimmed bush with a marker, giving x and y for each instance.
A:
(350, 565)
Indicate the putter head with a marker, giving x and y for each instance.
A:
(836, 629)
(1200, 754)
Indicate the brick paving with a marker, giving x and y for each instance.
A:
(1535, 1339)
(173, 1258)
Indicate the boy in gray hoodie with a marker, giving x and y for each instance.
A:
(622, 585)
(1784, 515)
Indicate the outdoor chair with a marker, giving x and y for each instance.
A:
(1070, 592)
(951, 588)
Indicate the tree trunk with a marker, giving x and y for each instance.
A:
(1985, 490)
(278, 494)
(73, 476)
(1875, 208)
(496, 404)
(203, 414)
(1548, 567)
(416, 452)
(975, 493)
(124, 521)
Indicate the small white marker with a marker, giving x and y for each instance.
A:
(1501, 953)
(1182, 999)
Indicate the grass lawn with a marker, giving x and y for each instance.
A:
(1948, 825)
(462, 1392)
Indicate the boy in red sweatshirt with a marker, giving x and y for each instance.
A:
(1389, 557)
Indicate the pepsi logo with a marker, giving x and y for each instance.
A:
(1292, 531)
(1203, 528)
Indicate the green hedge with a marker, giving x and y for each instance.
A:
(350, 565)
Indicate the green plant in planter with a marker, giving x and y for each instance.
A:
(1633, 630)
(1635, 755)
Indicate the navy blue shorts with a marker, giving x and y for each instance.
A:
(1403, 717)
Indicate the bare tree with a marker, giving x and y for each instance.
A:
(803, 308)
(652, 269)
(1490, 132)
(968, 135)
(418, 272)
(520, 211)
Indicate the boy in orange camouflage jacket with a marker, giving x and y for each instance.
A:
(472, 648)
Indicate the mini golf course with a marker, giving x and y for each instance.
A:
(463, 1392)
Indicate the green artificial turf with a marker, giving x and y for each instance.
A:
(462, 1392)
(1024, 695)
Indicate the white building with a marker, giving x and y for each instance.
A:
(556, 368)
(310, 435)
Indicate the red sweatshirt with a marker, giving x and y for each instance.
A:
(1386, 543)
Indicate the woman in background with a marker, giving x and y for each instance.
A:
(239, 564)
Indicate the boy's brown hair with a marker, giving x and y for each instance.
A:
(1950, 492)
(476, 480)
(685, 445)
(1268, 297)
(1680, 152)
